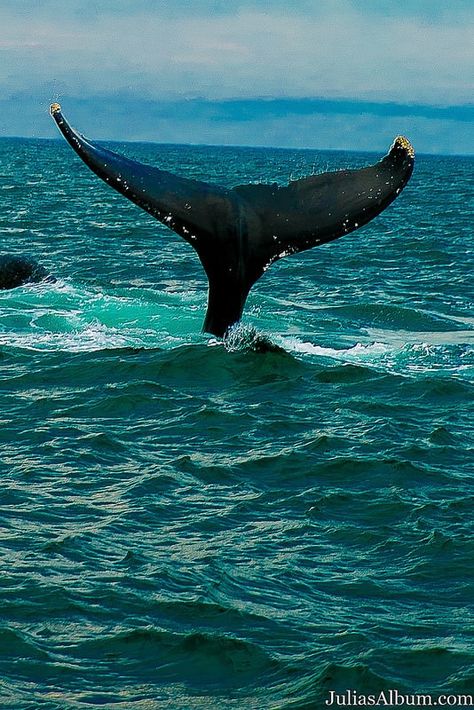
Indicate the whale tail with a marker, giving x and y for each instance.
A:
(237, 233)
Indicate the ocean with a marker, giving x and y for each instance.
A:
(191, 524)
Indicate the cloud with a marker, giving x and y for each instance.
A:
(337, 49)
(411, 60)
(305, 123)
(85, 9)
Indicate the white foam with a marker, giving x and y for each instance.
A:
(61, 317)
(395, 356)
(357, 351)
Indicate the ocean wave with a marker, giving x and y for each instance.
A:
(189, 523)
(198, 658)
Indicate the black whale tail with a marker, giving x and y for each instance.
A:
(239, 232)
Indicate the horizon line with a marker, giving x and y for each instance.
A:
(237, 145)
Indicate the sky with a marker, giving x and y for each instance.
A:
(328, 74)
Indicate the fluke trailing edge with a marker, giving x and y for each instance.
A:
(239, 232)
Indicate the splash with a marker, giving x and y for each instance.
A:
(243, 337)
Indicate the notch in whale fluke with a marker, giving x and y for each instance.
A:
(237, 233)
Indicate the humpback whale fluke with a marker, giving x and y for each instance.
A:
(18, 270)
(237, 233)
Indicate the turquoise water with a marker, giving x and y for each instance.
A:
(191, 525)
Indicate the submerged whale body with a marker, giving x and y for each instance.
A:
(237, 233)
(18, 270)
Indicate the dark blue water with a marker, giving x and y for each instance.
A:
(191, 525)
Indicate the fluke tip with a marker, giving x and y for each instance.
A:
(404, 143)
